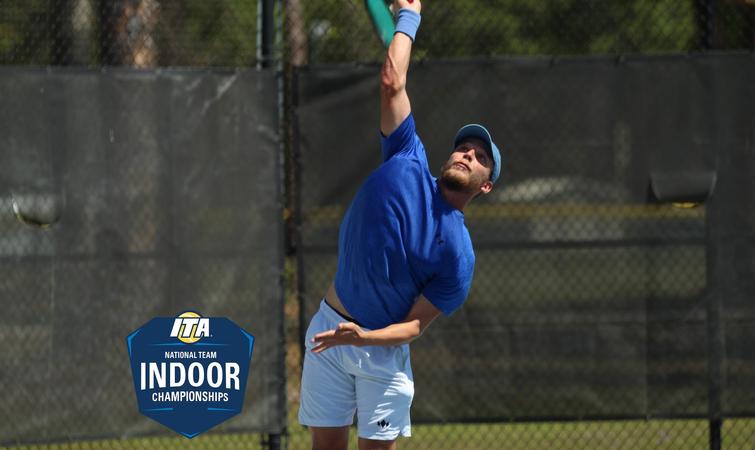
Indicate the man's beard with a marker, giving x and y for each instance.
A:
(456, 181)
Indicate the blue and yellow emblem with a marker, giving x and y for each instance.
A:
(190, 372)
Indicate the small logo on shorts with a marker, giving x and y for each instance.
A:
(384, 423)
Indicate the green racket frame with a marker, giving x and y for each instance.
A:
(382, 19)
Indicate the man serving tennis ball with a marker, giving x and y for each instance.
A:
(405, 257)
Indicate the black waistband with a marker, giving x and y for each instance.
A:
(343, 316)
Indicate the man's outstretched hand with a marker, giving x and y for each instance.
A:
(347, 333)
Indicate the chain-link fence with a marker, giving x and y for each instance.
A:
(134, 33)
(154, 33)
(340, 31)
(589, 303)
(126, 196)
(591, 311)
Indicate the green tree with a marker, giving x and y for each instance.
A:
(203, 33)
(338, 30)
(23, 32)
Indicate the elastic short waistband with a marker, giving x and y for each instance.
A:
(349, 319)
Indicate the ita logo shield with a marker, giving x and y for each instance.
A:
(190, 372)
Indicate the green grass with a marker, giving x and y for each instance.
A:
(667, 434)
(208, 441)
(636, 434)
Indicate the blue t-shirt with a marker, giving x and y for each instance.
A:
(400, 238)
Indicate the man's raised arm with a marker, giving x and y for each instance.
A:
(394, 102)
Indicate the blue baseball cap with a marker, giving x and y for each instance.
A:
(474, 130)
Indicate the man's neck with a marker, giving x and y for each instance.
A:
(458, 200)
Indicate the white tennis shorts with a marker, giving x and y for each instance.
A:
(376, 382)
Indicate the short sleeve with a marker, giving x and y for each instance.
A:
(404, 139)
(448, 289)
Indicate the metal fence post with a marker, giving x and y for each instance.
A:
(707, 23)
(272, 442)
(713, 323)
(265, 33)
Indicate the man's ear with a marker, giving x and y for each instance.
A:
(486, 187)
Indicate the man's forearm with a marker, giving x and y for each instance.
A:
(421, 315)
(394, 101)
(396, 334)
(396, 64)
(423, 312)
